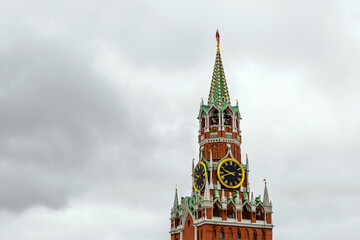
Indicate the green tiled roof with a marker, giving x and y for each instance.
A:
(219, 93)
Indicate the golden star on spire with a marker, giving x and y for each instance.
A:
(218, 39)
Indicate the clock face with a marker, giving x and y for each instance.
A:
(199, 176)
(230, 173)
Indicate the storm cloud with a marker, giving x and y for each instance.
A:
(98, 106)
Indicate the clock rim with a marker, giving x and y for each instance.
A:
(218, 173)
(201, 163)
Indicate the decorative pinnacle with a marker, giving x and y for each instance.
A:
(176, 200)
(264, 180)
(266, 196)
(218, 39)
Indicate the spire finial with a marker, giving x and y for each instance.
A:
(218, 39)
(264, 180)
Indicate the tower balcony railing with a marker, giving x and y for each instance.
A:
(213, 135)
(228, 220)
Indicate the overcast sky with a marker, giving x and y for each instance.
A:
(98, 106)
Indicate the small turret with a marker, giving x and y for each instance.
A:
(223, 199)
(206, 191)
(237, 198)
(266, 200)
(210, 170)
(176, 201)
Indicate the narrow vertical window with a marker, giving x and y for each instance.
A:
(222, 234)
(238, 237)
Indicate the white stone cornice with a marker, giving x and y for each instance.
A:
(233, 222)
(219, 139)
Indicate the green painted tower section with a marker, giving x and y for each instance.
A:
(219, 93)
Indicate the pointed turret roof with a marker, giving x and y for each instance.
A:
(176, 200)
(219, 93)
(266, 196)
(206, 191)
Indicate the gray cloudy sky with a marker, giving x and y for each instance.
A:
(98, 106)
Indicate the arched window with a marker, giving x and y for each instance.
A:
(222, 233)
(254, 235)
(188, 222)
(214, 117)
(227, 117)
(238, 235)
(246, 212)
(214, 232)
(217, 210)
(177, 220)
(230, 211)
(260, 215)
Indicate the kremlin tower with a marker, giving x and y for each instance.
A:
(221, 205)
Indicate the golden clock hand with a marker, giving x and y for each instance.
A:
(229, 172)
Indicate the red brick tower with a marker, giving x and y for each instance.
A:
(219, 206)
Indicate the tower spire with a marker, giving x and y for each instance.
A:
(219, 93)
(266, 195)
(176, 200)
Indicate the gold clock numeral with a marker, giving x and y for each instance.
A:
(231, 184)
(230, 163)
(226, 181)
(222, 177)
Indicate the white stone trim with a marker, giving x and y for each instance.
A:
(219, 139)
(233, 222)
